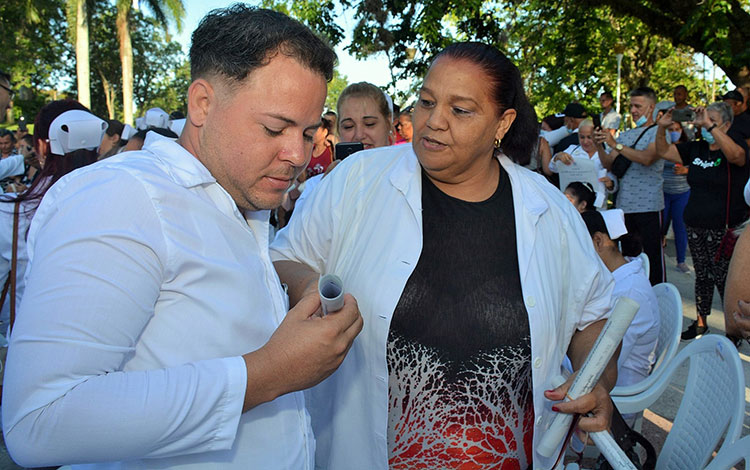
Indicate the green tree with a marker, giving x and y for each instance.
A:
(78, 26)
(159, 8)
(161, 73)
(335, 87)
(35, 50)
(719, 29)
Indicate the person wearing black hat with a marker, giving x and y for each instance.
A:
(741, 124)
(574, 113)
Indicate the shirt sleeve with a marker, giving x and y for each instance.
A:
(97, 254)
(308, 237)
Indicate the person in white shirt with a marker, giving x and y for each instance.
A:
(639, 342)
(461, 262)
(154, 332)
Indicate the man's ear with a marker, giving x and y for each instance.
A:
(599, 241)
(201, 96)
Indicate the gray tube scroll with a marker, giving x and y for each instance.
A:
(595, 363)
(331, 290)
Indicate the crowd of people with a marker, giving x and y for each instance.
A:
(161, 281)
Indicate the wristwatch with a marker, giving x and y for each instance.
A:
(619, 147)
(711, 128)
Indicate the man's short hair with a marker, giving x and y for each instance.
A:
(607, 94)
(646, 92)
(232, 42)
(8, 133)
(681, 86)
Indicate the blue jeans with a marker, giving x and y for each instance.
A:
(674, 206)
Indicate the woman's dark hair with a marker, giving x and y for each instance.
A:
(507, 93)
(327, 125)
(583, 192)
(595, 222)
(232, 42)
(55, 166)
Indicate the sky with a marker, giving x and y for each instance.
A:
(373, 70)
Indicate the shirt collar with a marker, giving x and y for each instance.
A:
(182, 166)
(633, 266)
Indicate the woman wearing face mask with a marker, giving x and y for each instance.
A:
(719, 168)
(676, 194)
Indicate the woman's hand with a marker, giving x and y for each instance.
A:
(563, 157)
(608, 183)
(597, 403)
(680, 170)
(701, 118)
(666, 119)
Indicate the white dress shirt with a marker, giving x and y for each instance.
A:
(145, 286)
(364, 224)
(639, 342)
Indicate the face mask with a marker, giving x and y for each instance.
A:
(707, 136)
(674, 136)
(641, 121)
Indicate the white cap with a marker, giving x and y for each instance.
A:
(75, 130)
(140, 123)
(127, 132)
(614, 219)
(177, 125)
(156, 117)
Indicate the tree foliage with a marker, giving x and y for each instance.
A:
(161, 71)
(35, 50)
(718, 28)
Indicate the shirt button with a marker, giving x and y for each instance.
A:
(530, 301)
(537, 363)
(539, 421)
(381, 378)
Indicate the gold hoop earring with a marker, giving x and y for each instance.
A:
(497, 143)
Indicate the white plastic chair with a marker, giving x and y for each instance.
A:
(712, 407)
(646, 264)
(728, 457)
(670, 330)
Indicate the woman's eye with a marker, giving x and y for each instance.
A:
(425, 103)
(460, 111)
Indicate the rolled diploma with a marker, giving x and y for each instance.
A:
(611, 451)
(600, 354)
(331, 290)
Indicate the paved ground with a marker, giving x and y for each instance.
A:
(658, 419)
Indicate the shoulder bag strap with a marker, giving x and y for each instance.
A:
(13, 265)
(639, 137)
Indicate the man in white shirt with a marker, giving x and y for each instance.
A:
(154, 332)
(609, 117)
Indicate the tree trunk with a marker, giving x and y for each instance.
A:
(126, 57)
(82, 54)
(109, 95)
